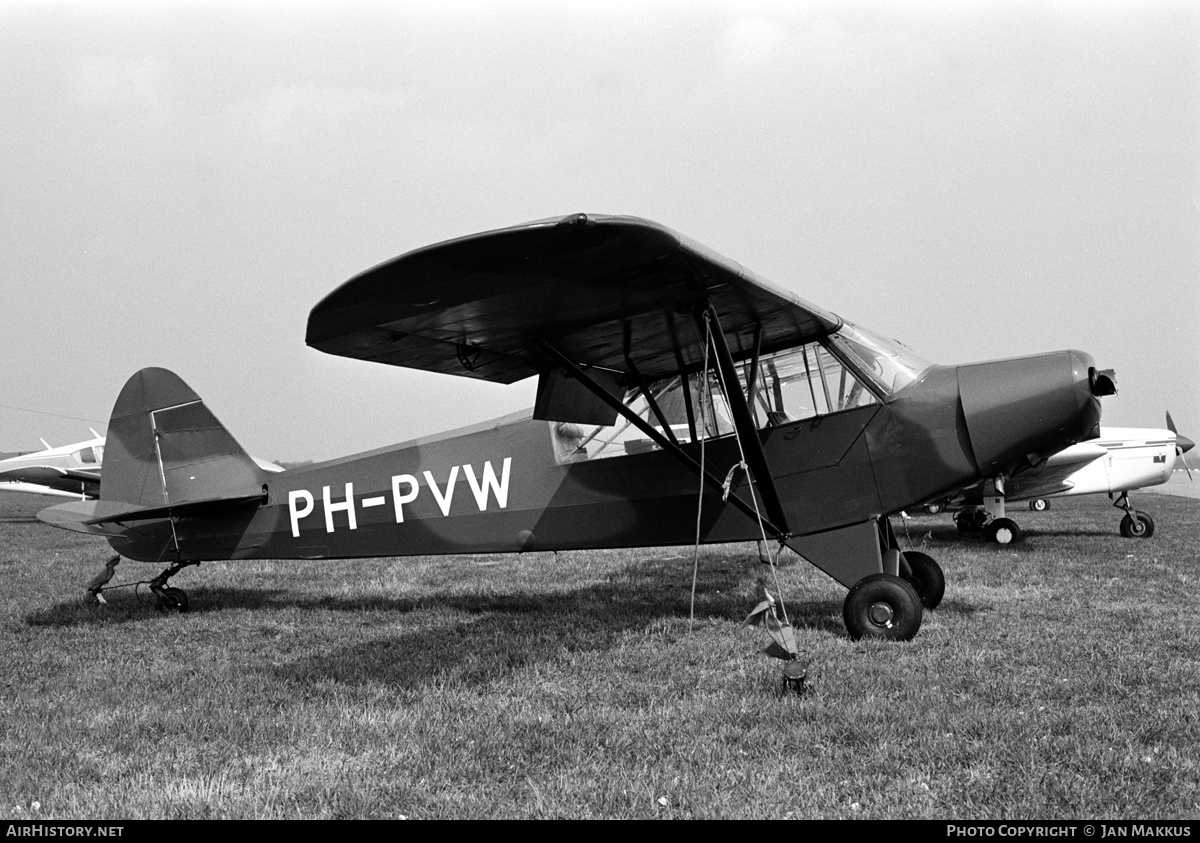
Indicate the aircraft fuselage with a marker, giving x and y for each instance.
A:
(499, 488)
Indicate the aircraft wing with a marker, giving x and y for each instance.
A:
(62, 479)
(1050, 477)
(593, 287)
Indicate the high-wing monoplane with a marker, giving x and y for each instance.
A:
(71, 471)
(680, 399)
(1119, 461)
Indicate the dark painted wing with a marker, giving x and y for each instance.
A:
(590, 286)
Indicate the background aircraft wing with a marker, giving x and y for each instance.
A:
(54, 479)
(48, 475)
(591, 286)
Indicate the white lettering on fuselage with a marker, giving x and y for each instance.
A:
(405, 489)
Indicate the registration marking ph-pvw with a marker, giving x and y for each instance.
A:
(301, 501)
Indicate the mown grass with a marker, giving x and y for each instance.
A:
(1059, 679)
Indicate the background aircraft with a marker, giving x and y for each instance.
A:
(680, 399)
(1121, 460)
(71, 471)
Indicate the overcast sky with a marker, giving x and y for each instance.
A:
(181, 182)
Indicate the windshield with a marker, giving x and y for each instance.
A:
(891, 365)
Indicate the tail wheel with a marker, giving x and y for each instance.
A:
(172, 600)
(1003, 531)
(884, 607)
(1140, 528)
(934, 508)
(1039, 505)
(927, 578)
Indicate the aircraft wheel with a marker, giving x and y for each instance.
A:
(1039, 505)
(172, 600)
(1003, 531)
(966, 521)
(934, 508)
(1142, 528)
(882, 606)
(927, 578)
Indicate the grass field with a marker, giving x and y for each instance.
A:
(1060, 678)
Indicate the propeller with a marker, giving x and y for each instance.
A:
(1182, 445)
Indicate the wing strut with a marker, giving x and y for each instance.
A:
(717, 483)
(743, 420)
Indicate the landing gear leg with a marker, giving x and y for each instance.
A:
(170, 599)
(866, 558)
(997, 527)
(1136, 524)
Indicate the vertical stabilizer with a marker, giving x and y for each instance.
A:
(166, 448)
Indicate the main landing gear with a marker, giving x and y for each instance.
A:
(882, 606)
(1136, 524)
(891, 606)
(889, 588)
(991, 519)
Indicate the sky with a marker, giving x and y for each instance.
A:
(182, 182)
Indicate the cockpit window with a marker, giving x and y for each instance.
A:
(804, 382)
(790, 386)
(891, 365)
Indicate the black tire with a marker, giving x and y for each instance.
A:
(1039, 505)
(1143, 528)
(1003, 531)
(967, 521)
(884, 607)
(927, 578)
(172, 600)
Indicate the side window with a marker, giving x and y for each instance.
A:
(803, 382)
(87, 456)
(791, 386)
(709, 413)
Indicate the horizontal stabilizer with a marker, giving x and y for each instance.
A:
(189, 509)
(75, 516)
(92, 516)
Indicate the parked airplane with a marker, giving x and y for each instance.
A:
(1120, 461)
(71, 471)
(680, 399)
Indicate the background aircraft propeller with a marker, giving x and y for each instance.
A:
(1182, 445)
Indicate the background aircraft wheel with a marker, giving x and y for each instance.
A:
(1039, 505)
(172, 600)
(1143, 528)
(927, 578)
(934, 508)
(882, 606)
(967, 521)
(1003, 531)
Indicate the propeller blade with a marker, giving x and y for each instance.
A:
(1182, 445)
